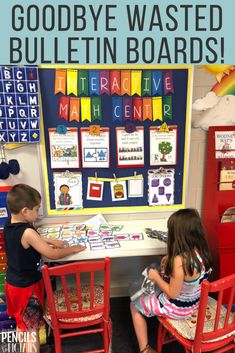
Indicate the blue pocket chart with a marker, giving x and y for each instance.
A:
(19, 104)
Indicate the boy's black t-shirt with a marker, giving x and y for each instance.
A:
(24, 265)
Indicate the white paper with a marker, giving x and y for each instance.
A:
(161, 187)
(96, 221)
(130, 147)
(70, 197)
(136, 187)
(225, 144)
(95, 149)
(64, 149)
(163, 146)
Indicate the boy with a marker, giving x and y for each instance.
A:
(24, 247)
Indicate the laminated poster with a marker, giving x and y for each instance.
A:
(64, 149)
(68, 190)
(161, 187)
(95, 148)
(163, 146)
(130, 147)
(225, 144)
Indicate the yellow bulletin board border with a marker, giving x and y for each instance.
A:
(124, 209)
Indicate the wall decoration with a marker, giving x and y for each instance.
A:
(215, 110)
(68, 190)
(225, 144)
(112, 86)
(161, 186)
(136, 186)
(163, 146)
(118, 190)
(95, 190)
(19, 104)
(130, 147)
(64, 148)
(95, 148)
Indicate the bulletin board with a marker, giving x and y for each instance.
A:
(117, 172)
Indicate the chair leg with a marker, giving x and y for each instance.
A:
(160, 337)
(57, 340)
(106, 340)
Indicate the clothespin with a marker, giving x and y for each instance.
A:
(96, 177)
(114, 175)
(135, 174)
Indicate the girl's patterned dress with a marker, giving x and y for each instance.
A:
(181, 307)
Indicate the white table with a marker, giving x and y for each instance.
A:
(130, 259)
(128, 248)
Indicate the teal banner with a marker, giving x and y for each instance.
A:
(117, 32)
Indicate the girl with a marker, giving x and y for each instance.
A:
(24, 247)
(187, 264)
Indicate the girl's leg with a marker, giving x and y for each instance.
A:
(140, 327)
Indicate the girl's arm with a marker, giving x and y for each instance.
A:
(32, 238)
(173, 288)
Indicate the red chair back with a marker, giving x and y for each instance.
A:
(224, 322)
(215, 325)
(82, 299)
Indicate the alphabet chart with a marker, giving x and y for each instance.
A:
(19, 104)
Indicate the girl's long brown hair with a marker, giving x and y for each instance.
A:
(186, 236)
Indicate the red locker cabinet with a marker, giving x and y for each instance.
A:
(221, 236)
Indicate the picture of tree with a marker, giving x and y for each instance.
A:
(165, 148)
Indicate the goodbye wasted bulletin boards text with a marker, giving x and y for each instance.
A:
(131, 165)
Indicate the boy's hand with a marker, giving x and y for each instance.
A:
(78, 248)
(58, 243)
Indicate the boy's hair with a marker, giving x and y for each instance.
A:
(63, 186)
(186, 238)
(22, 195)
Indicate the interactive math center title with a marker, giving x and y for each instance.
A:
(85, 34)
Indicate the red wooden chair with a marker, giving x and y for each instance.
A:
(211, 328)
(82, 306)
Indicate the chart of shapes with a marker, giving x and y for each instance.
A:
(106, 237)
(19, 104)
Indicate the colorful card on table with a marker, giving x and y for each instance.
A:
(130, 147)
(163, 146)
(64, 148)
(95, 148)
(97, 246)
(136, 236)
(121, 237)
(68, 190)
(112, 245)
(161, 186)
